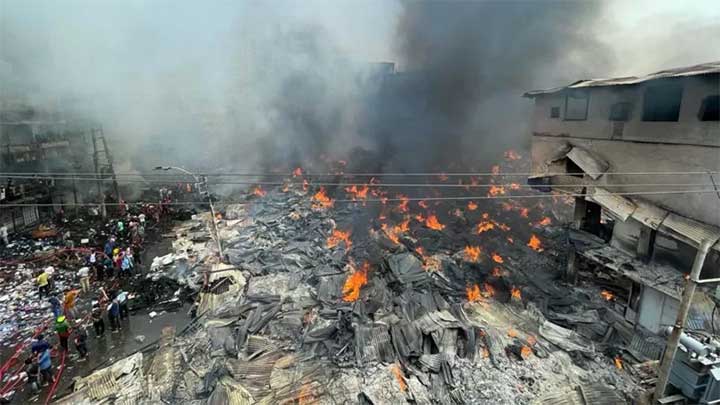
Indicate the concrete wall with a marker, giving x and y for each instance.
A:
(683, 146)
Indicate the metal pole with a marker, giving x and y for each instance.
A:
(674, 339)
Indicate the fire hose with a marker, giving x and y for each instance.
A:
(19, 349)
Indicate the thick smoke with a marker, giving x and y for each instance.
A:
(468, 64)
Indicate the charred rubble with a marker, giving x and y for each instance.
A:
(314, 307)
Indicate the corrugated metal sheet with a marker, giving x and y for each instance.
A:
(592, 165)
(701, 69)
(619, 206)
(689, 230)
(649, 214)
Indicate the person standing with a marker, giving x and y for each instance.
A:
(33, 371)
(63, 331)
(114, 315)
(4, 235)
(45, 366)
(126, 266)
(69, 304)
(39, 345)
(98, 321)
(84, 274)
(122, 298)
(43, 284)
(81, 343)
(55, 306)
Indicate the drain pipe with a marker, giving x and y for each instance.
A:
(677, 330)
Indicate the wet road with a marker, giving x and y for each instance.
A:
(110, 347)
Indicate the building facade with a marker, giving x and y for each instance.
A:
(642, 157)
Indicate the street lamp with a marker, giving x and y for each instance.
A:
(199, 181)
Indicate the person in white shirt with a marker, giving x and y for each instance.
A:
(4, 235)
(84, 274)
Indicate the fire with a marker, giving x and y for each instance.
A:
(545, 221)
(422, 204)
(618, 362)
(484, 226)
(404, 201)
(321, 200)
(496, 272)
(497, 258)
(473, 293)
(510, 154)
(496, 190)
(495, 170)
(354, 282)
(394, 233)
(514, 186)
(433, 223)
(419, 218)
(258, 191)
(524, 212)
(515, 293)
(472, 253)
(504, 227)
(297, 172)
(395, 368)
(609, 296)
(358, 193)
(489, 291)
(306, 395)
(512, 333)
(535, 243)
(525, 352)
(472, 206)
(337, 237)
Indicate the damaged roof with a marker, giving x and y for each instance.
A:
(696, 70)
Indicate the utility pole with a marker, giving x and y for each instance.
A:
(96, 161)
(691, 285)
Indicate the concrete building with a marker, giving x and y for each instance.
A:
(643, 154)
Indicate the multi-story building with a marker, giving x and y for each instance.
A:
(641, 155)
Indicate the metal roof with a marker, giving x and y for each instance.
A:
(696, 70)
(616, 204)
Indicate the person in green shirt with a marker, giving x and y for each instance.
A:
(63, 331)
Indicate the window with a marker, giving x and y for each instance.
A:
(620, 112)
(576, 105)
(662, 102)
(710, 108)
(554, 112)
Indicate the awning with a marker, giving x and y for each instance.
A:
(619, 206)
(690, 231)
(649, 214)
(592, 165)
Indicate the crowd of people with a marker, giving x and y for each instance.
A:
(99, 283)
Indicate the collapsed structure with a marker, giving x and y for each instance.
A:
(642, 154)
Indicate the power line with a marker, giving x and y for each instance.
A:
(386, 200)
(377, 185)
(370, 174)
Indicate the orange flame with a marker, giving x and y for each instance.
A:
(394, 233)
(504, 227)
(609, 296)
(618, 362)
(484, 226)
(473, 293)
(306, 395)
(524, 212)
(510, 154)
(258, 191)
(496, 190)
(515, 293)
(512, 333)
(419, 218)
(358, 193)
(395, 368)
(404, 201)
(545, 221)
(354, 282)
(497, 258)
(472, 206)
(321, 200)
(337, 237)
(472, 253)
(297, 172)
(433, 223)
(535, 243)
(525, 352)
(496, 272)
(489, 291)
